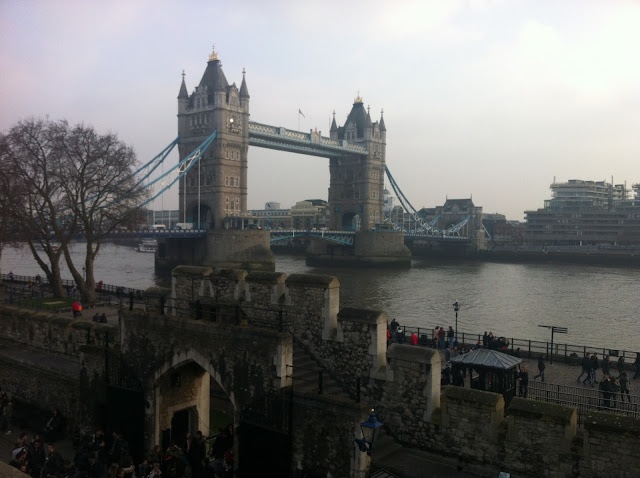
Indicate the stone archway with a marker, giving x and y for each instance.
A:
(184, 384)
(206, 215)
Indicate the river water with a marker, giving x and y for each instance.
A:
(599, 305)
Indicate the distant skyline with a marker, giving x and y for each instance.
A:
(489, 99)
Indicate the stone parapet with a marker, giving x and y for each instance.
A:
(50, 332)
(611, 445)
(546, 431)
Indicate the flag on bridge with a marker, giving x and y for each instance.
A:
(301, 113)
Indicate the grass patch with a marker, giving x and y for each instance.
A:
(47, 303)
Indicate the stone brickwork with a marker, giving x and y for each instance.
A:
(611, 446)
(60, 334)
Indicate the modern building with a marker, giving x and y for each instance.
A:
(586, 213)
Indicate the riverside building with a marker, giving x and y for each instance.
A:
(582, 213)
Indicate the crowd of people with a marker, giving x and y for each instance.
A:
(102, 456)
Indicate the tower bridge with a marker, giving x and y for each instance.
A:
(215, 132)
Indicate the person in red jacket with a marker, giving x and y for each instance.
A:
(77, 309)
(414, 339)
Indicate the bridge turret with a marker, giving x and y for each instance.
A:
(333, 132)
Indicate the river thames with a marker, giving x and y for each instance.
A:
(599, 305)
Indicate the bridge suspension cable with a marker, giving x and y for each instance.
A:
(182, 168)
(407, 206)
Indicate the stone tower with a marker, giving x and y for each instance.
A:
(217, 187)
(356, 190)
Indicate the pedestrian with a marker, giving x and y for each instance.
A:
(96, 318)
(523, 380)
(606, 363)
(103, 318)
(450, 336)
(441, 336)
(76, 308)
(594, 367)
(620, 364)
(394, 329)
(614, 387)
(605, 390)
(586, 368)
(541, 368)
(54, 464)
(624, 386)
(10, 276)
(637, 366)
(485, 340)
(414, 339)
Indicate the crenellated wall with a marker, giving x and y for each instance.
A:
(244, 342)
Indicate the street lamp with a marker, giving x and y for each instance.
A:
(369, 429)
(456, 308)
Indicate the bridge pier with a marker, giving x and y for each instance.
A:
(246, 249)
(370, 249)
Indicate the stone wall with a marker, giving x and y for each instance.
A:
(61, 334)
(239, 248)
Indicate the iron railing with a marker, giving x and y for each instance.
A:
(570, 353)
(585, 400)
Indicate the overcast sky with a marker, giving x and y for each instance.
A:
(481, 98)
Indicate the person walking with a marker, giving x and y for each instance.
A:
(586, 368)
(594, 367)
(541, 368)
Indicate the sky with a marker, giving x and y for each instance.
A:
(487, 99)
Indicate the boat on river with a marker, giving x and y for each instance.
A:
(147, 245)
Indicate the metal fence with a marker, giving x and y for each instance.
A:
(14, 279)
(570, 353)
(585, 400)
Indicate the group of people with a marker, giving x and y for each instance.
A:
(99, 456)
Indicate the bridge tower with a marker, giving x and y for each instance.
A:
(219, 184)
(214, 191)
(356, 187)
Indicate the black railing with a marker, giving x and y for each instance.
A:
(585, 400)
(570, 353)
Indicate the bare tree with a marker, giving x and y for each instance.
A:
(76, 183)
(100, 191)
(33, 155)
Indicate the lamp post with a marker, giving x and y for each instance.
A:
(369, 429)
(456, 308)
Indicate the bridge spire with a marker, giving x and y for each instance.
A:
(334, 126)
(358, 99)
(183, 94)
(382, 126)
(244, 91)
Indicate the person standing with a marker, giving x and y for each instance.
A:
(606, 363)
(394, 329)
(450, 336)
(441, 336)
(523, 379)
(541, 368)
(637, 366)
(624, 386)
(605, 390)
